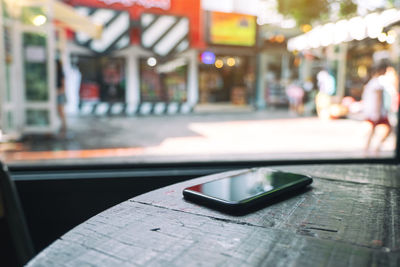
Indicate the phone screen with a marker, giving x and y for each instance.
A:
(247, 185)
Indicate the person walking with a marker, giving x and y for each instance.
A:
(61, 98)
(374, 108)
(327, 87)
(295, 95)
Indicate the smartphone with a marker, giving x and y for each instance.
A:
(237, 193)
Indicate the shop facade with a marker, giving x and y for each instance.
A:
(149, 66)
(125, 57)
(33, 36)
(228, 64)
(346, 51)
(162, 82)
(276, 66)
(230, 80)
(277, 71)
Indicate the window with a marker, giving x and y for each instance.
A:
(198, 80)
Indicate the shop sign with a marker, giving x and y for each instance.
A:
(35, 54)
(208, 57)
(89, 91)
(162, 4)
(232, 29)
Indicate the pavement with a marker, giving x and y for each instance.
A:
(202, 136)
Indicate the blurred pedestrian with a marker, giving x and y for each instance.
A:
(390, 82)
(327, 87)
(374, 108)
(326, 82)
(295, 94)
(61, 98)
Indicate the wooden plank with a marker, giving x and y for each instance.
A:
(138, 234)
(377, 174)
(363, 214)
(350, 217)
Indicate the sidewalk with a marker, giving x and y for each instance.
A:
(249, 135)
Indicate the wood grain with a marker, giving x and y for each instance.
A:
(350, 217)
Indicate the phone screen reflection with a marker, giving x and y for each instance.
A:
(246, 185)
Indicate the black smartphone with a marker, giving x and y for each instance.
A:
(239, 192)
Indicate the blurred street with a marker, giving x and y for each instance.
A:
(180, 80)
(246, 135)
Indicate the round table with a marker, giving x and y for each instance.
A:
(351, 216)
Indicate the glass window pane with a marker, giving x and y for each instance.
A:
(35, 64)
(7, 81)
(112, 81)
(36, 117)
(10, 120)
(163, 81)
(200, 80)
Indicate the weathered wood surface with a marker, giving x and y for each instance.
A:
(350, 217)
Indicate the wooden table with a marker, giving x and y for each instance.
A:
(350, 217)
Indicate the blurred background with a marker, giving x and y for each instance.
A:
(195, 80)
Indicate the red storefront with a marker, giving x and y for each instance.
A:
(150, 65)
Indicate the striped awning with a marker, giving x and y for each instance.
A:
(164, 34)
(357, 28)
(115, 34)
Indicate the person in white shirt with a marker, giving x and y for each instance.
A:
(374, 109)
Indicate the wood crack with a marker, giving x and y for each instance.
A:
(322, 229)
(265, 227)
(202, 215)
(352, 182)
(94, 249)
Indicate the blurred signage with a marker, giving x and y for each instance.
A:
(190, 9)
(208, 57)
(162, 4)
(232, 29)
(35, 54)
(89, 91)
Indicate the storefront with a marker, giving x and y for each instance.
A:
(229, 80)
(103, 79)
(346, 50)
(360, 59)
(33, 38)
(278, 66)
(166, 82)
(123, 57)
(227, 66)
(146, 61)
